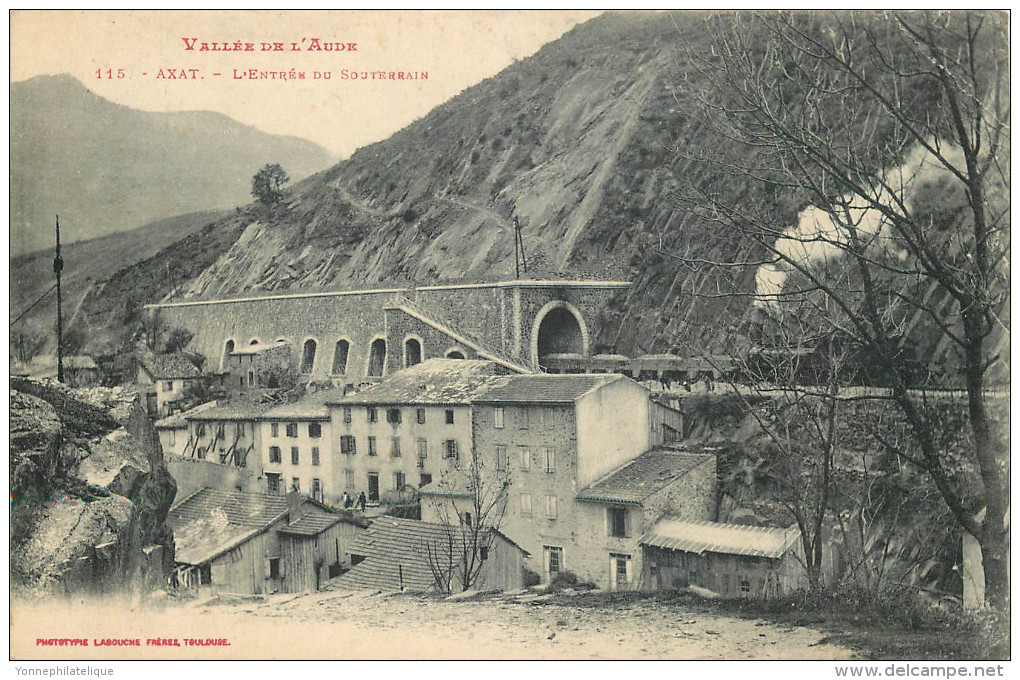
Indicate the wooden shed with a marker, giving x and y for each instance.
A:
(729, 559)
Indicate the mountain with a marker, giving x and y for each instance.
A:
(586, 143)
(106, 168)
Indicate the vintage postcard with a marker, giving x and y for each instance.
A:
(576, 335)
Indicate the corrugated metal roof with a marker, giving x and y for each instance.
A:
(729, 539)
(650, 472)
(545, 389)
(432, 382)
(392, 546)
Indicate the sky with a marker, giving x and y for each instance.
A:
(120, 55)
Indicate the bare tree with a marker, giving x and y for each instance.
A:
(889, 133)
(470, 504)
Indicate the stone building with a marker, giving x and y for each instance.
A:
(409, 429)
(226, 434)
(296, 448)
(165, 378)
(352, 335)
(552, 437)
(265, 365)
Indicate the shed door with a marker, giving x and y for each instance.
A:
(620, 571)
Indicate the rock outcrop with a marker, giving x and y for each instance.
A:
(89, 493)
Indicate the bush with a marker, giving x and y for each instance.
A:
(563, 580)
(531, 578)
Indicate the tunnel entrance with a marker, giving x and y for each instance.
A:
(560, 333)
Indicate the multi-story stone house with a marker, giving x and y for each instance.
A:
(557, 440)
(226, 434)
(296, 449)
(406, 431)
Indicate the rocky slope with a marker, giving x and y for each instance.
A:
(107, 168)
(89, 493)
(587, 143)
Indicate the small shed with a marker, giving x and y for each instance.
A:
(402, 555)
(729, 559)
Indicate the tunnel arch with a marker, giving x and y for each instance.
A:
(559, 327)
(309, 348)
(228, 347)
(413, 351)
(377, 357)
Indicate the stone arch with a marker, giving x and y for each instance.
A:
(308, 350)
(228, 347)
(455, 353)
(414, 350)
(254, 341)
(559, 327)
(341, 356)
(377, 357)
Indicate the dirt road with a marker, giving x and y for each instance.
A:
(362, 625)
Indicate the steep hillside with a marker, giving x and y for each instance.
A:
(586, 143)
(107, 168)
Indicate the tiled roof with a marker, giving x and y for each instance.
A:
(432, 382)
(729, 539)
(650, 472)
(545, 389)
(211, 521)
(232, 411)
(309, 407)
(393, 547)
(259, 347)
(169, 366)
(178, 420)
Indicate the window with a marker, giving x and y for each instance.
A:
(314, 430)
(315, 455)
(240, 429)
(223, 457)
(348, 445)
(377, 357)
(220, 430)
(349, 479)
(200, 452)
(692, 577)
(395, 447)
(393, 415)
(483, 553)
(168, 385)
(274, 454)
(173, 437)
(550, 507)
(617, 518)
(308, 356)
(292, 429)
(373, 486)
(497, 414)
(553, 559)
(424, 479)
(502, 458)
(745, 585)
(240, 380)
(423, 450)
(273, 483)
(398, 480)
(317, 489)
(550, 459)
(526, 504)
(450, 449)
(371, 446)
(465, 519)
(523, 417)
(525, 457)
(200, 430)
(294, 457)
(340, 357)
(347, 414)
(295, 484)
(621, 569)
(421, 416)
(412, 352)
(251, 378)
(274, 567)
(449, 416)
(372, 413)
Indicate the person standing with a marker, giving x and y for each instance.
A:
(361, 501)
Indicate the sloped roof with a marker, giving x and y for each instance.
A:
(259, 347)
(310, 407)
(545, 389)
(232, 411)
(178, 420)
(395, 547)
(169, 366)
(432, 382)
(211, 521)
(728, 539)
(647, 474)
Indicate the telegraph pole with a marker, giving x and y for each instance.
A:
(58, 265)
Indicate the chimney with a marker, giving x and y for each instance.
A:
(295, 506)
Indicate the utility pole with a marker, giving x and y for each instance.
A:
(58, 265)
(519, 256)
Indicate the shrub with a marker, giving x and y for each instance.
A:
(531, 578)
(563, 580)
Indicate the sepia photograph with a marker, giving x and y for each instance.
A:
(510, 335)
